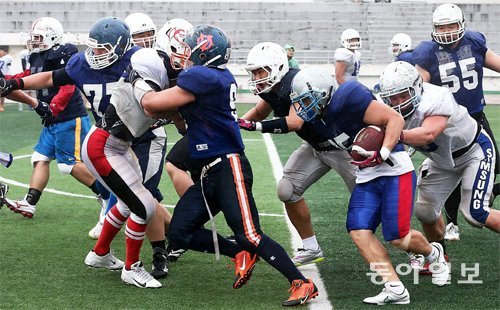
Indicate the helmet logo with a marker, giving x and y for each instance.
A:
(206, 41)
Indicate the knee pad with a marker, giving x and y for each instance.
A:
(286, 191)
(65, 168)
(402, 243)
(426, 213)
(39, 157)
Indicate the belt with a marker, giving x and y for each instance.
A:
(464, 150)
(218, 160)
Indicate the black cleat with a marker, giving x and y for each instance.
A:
(161, 265)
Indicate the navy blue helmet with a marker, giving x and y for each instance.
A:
(210, 47)
(108, 41)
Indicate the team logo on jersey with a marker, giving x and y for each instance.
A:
(207, 41)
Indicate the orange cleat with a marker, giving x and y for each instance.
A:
(301, 293)
(244, 263)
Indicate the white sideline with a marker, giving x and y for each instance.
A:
(310, 271)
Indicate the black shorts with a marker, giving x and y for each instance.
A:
(179, 156)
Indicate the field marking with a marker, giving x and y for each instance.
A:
(310, 271)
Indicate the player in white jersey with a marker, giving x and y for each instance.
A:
(347, 58)
(457, 147)
(5, 65)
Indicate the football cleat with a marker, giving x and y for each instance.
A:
(21, 206)
(244, 263)
(440, 269)
(387, 297)
(425, 270)
(95, 232)
(173, 255)
(308, 256)
(417, 261)
(160, 263)
(452, 233)
(139, 277)
(301, 292)
(108, 261)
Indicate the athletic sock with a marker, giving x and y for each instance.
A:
(112, 225)
(33, 196)
(433, 256)
(134, 236)
(94, 188)
(311, 243)
(396, 287)
(158, 244)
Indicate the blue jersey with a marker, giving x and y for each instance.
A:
(343, 118)
(460, 68)
(405, 56)
(97, 85)
(52, 59)
(280, 103)
(212, 121)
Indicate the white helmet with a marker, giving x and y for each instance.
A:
(347, 36)
(401, 42)
(171, 40)
(270, 57)
(312, 89)
(399, 77)
(446, 14)
(45, 32)
(141, 23)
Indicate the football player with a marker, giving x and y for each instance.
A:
(385, 183)
(400, 48)
(457, 147)
(271, 79)
(5, 68)
(204, 96)
(142, 29)
(65, 123)
(455, 58)
(347, 58)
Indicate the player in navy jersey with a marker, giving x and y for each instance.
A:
(65, 123)
(400, 48)
(385, 183)
(271, 79)
(205, 95)
(455, 58)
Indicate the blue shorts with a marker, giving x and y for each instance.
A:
(63, 141)
(387, 200)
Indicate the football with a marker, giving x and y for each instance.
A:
(369, 138)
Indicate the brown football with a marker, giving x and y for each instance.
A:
(369, 138)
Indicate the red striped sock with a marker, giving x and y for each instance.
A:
(112, 225)
(134, 236)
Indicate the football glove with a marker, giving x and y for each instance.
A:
(373, 158)
(43, 109)
(8, 86)
(247, 125)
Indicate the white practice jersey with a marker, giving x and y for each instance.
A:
(6, 64)
(352, 59)
(461, 128)
(151, 68)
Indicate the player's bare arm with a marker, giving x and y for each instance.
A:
(432, 127)
(340, 68)
(426, 76)
(20, 96)
(380, 114)
(492, 61)
(155, 104)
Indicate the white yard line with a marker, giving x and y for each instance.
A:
(310, 271)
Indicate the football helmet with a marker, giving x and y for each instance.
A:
(45, 33)
(111, 36)
(312, 89)
(347, 36)
(208, 46)
(141, 23)
(399, 77)
(171, 40)
(270, 57)
(401, 42)
(446, 14)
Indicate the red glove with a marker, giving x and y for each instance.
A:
(246, 125)
(373, 158)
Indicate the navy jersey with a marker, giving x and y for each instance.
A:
(406, 56)
(52, 59)
(212, 121)
(460, 68)
(97, 85)
(280, 103)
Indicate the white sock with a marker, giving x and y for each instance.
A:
(396, 287)
(431, 258)
(310, 243)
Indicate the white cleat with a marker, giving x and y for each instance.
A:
(95, 232)
(417, 261)
(440, 269)
(139, 277)
(21, 206)
(452, 233)
(108, 261)
(308, 256)
(387, 297)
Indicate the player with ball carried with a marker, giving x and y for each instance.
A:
(385, 185)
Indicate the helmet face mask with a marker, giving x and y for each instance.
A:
(448, 24)
(208, 46)
(142, 29)
(311, 93)
(109, 40)
(45, 33)
(267, 64)
(350, 39)
(171, 40)
(401, 81)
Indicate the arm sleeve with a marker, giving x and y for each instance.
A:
(19, 75)
(61, 99)
(60, 78)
